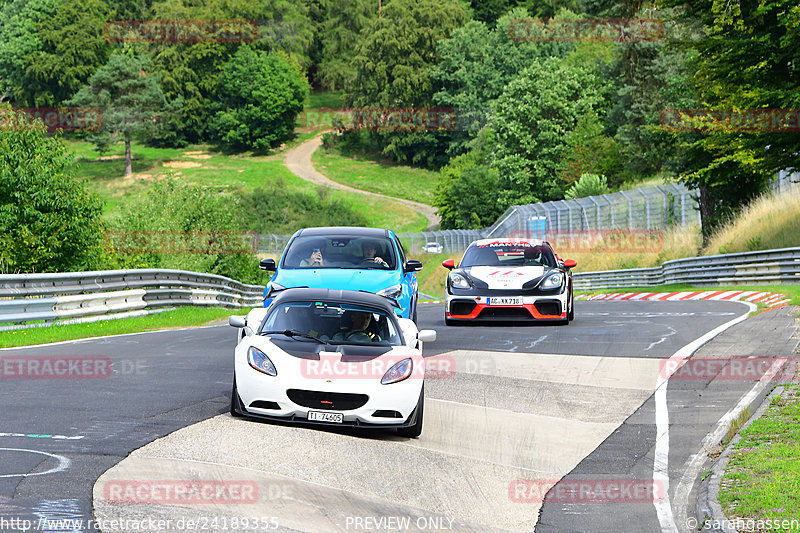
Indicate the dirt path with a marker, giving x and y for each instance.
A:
(298, 160)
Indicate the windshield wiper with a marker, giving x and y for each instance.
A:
(294, 333)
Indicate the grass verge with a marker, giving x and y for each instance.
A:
(762, 479)
(371, 174)
(178, 318)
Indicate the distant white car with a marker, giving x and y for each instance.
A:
(330, 357)
(432, 248)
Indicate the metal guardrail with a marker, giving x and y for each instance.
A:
(75, 295)
(752, 268)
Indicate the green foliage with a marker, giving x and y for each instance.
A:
(533, 119)
(186, 227)
(19, 20)
(128, 96)
(475, 66)
(71, 47)
(337, 32)
(393, 61)
(747, 59)
(190, 71)
(587, 185)
(467, 191)
(261, 94)
(275, 209)
(48, 221)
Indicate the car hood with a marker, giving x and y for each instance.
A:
(370, 280)
(505, 277)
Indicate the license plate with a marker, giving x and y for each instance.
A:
(322, 416)
(500, 300)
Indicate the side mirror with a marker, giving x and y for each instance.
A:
(412, 265)
(570, 263)
(449, 264)
(237, 321)
(426, 335)
(268, 264)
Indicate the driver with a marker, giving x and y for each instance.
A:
(370, 250)
(360, 321)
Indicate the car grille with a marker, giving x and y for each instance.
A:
(338, 401)
(548, 308)
(387, 414)
(504, 312)
(461, 307)
(262, 404)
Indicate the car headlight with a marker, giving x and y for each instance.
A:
(391, 292)
(552, 281)
(260, 361)
(459, 281)
(398, 372)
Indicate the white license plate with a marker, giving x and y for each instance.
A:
(504, 300)
(322, 416)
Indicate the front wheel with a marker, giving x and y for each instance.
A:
(235, 403)
(415, 430)
(414, 315)
(571, 312)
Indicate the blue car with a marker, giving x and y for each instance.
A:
(347, 258)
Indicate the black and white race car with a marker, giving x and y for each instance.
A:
(509, 279)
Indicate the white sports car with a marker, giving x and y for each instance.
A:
(332, 357)
(509, 279)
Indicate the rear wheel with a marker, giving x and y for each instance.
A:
(415, 430)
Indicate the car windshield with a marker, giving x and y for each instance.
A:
(508, 254)
(340, 252)
(332, 323)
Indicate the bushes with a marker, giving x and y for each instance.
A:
(185, 227)
(48, 221)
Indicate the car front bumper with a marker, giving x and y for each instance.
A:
(538, 308)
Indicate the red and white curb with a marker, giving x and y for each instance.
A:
(770, 299)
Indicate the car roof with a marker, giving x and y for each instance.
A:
(533, 242)
(334, 295)
(354, 231)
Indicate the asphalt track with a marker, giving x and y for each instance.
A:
(531, 403)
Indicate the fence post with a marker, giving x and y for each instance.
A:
(630, 209)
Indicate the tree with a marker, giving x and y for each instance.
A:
(190, 71)
(533, 119)
(338, 27)
(262, 95)
(128, 97)
(747, 60)
(72, 48)
(467, 192)
(19, 38)
(48, 221)
(587, 185)
(476, 65)
(393, 62)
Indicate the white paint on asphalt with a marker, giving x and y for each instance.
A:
(63, 463)
(661, 457)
